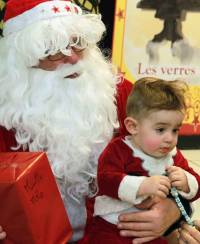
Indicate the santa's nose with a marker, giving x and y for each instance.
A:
(73, 58)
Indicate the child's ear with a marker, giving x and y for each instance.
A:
(131, 125)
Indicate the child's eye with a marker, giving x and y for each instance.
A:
(176, 130)
(160, 130)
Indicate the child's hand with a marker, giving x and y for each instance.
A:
(178, 178)
(2, 233)
(157, 185)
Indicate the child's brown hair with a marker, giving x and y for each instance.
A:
(152, 94)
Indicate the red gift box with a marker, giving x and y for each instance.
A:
(31, 208)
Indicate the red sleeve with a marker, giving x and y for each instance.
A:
(111, 167)
(181, 162)
(123, 90)
(7, 140)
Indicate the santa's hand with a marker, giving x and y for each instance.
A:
(157, 185)
(2, 233)
(150, 224)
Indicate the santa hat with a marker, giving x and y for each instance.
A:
(21, 13)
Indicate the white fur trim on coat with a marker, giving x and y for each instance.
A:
(110, 209)
(128, 189)
(193, 186)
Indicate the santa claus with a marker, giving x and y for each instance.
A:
(57, 95)
(58, 92)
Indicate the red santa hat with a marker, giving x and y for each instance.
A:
(21, 13)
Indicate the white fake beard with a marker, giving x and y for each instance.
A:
(70, 119)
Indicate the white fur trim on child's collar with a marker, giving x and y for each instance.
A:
(153, 166)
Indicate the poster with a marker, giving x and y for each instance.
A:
(161, 39)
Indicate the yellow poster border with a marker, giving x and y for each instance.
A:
(118, 39)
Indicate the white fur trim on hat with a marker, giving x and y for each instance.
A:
(45, 10)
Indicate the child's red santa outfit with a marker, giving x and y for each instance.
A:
(121, 170)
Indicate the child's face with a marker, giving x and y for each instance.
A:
(157, 134)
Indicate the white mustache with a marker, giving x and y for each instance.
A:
(65, 70)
